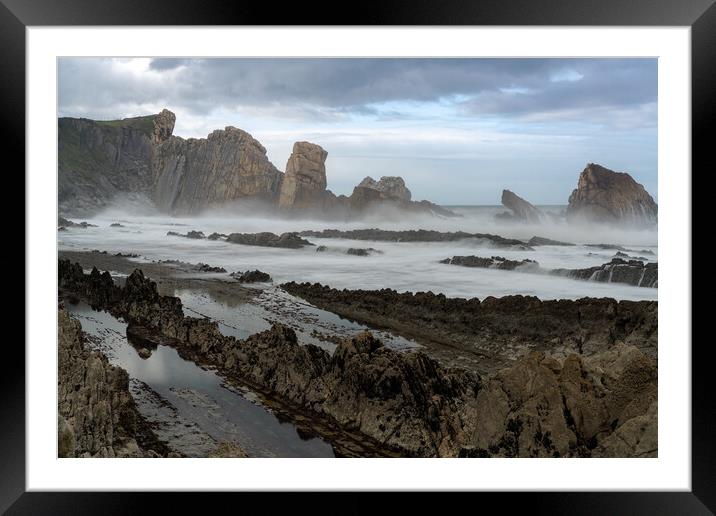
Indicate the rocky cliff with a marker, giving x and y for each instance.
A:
(603, 195)
(98, 160)
(193, 174)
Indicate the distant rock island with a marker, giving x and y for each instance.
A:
(602, 195)
(99, 160)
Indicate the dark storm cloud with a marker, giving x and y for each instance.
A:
(511, 87)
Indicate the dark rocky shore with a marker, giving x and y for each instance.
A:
(495, 330)
(415, 235)
(618, 270)
(494, 262)
(590, 393)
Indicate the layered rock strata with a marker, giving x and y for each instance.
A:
(193, 174)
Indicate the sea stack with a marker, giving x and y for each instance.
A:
(521, 209)
(304, 183)
(605, 196)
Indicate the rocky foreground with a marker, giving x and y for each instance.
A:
(595, 396)
(97, 416)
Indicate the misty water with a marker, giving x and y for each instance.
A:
(400, 266)
(191, 408)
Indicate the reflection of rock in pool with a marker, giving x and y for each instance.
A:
(189, 407)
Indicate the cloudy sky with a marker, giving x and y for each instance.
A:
(457, 130)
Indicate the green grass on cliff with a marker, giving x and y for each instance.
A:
(144, 124)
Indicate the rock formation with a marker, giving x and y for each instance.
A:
(536, 240)
(255, 276)
(391, 192)
(97, 416)
(304, 184)
(417, 235)
(521, 210)
(618, 270)
(603, 195)
(97, 160)
(389, 188)
(490, 327)
(266, 239)
(191, 175)
(101, 160)
(494, 262)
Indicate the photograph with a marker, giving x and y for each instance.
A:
(340, 257)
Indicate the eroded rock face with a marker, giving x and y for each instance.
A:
(304, 184)
(602, 405)
(97, 160)
(522, 210)
(97, 416)
(194, 174)
(603, 195)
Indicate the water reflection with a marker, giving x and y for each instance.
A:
(199, 396)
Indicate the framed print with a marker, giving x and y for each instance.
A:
(417, 253)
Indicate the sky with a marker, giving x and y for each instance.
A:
(457, 130)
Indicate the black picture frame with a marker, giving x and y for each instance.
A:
(16, 15)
